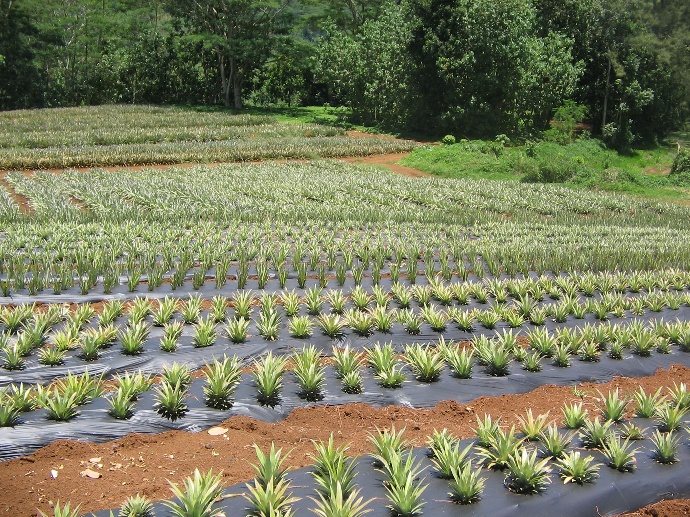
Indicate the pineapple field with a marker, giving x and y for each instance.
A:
(315, 337)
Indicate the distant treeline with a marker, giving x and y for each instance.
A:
(467, 67)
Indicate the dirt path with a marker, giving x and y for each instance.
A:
(144, 463)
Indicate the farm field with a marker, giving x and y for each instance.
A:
(469, 344)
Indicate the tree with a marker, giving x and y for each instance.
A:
(368, 70)
(482, 69)
(20, 79)
(241, 33)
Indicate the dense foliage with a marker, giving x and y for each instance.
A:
(465, 67)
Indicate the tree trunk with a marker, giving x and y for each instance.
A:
(224, 82)
(236, 79)
(606, 96)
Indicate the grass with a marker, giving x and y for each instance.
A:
(584, 164)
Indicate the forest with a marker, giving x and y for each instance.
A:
(476, 68)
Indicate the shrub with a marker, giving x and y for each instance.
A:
(448, 140)
(681, 163)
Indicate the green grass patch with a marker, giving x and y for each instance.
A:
(585, 163)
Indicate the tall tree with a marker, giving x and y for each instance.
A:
(241, 33)
(482, 69)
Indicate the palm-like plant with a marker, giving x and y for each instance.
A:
(466, 486)
(577, 469)
(333, 471)
(300, 327)
(335, 504)
(133, 337)
(426, 363)
(527, 474)
(222, 377)
(531, 426)
(63, 511)
(204, 332)
(268, 377)
(594, 434)
(268, 324)
(137, 506)
(346, 361)
(646, 405)
(460, 360)
(310, 373)
(170, 400)
(502, 446)
(332, 325)
(574, 415)
(665, 447)
(197, 498)
(619, 454)
(166, 310)
(613, 406)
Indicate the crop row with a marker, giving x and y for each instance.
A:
(238, 150)
(528, 456)
(496, 355)
(332, 191)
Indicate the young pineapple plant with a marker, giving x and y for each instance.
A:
(554, 443)
(133, 337)
(665, 447)
(596, 435)
(300, 327)
(204, 332)
(60, 406)
(177, 374)
(527, 474)
(137, 506)
(614, 406)
(387, 368)
(197, 498)
(65, 510)
(447, 456)
(426, 363)
(333, 469)
(165, 311)
(361, 322)
(121, 405)
(172, 332)
(268, 324)
(532, 427)
(460, 360)
(335, 504)
(9, 414)
(502, 445)
(619, 454)
(191, 309)
(332, 325)
(242, 301)
(291, 303)
(222, 377)
(574, 415)
(268, 377)
(466, 486)
(403, 489)
(310, 373)
(670, 418)
(170, 400)
(574, 468)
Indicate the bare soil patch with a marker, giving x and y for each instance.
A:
(144, 463)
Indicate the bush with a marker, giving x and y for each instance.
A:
(553, 169)
(448, 140)
(681, 163)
